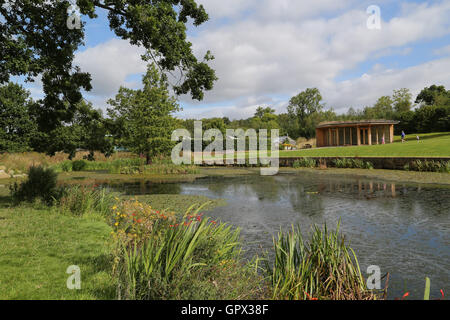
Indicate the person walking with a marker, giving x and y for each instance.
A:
(403, 136)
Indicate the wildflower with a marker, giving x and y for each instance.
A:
(116, 224)
(442, 293)
(405, 295)
(213, 222)
(114, 207)
(309, 297)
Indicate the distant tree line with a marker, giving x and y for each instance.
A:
(306, 110)
(142, 120)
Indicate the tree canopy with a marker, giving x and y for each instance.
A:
(143, 118)
(35, 41)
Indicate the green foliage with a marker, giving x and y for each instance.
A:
(66, 166)
(143, 118)
(79, 165)
(190, 260)
(428, 166)
(305, 163)
(17, 128)
(324, 268)
(35, 41)
(80, 200)
(306, 108)
(352, 163)
(40, 184)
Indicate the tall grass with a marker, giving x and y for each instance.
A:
(80, 200)
(324, 268)
(428, 166)
(194, 259)
(305, 163)
(352, 163)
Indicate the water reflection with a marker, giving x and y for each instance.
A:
(403, 228)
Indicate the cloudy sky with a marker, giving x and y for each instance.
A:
(269, 50)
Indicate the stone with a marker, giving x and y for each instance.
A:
(4, 175)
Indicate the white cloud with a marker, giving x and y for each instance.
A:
(442, 51)
(110, 63)
(268, 50)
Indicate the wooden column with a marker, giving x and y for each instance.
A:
(358, 135)
(391, 133)
(330, 142)
(369, 131)
(378, 140)
(344, 134)
(351, 136)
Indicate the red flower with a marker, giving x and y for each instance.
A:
(405, 295)
(442, 293)
(139, 221)
(309, 297)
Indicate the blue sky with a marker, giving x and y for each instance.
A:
(268, 50)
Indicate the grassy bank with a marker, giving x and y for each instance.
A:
(430, 145)
(38, 245)
(135, 249)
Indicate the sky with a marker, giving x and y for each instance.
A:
(267, 51)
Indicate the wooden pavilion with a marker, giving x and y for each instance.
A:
(355, 133)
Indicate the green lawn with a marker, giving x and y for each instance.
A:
(37, 246)
(430, 145)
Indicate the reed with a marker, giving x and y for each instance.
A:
(324, 268)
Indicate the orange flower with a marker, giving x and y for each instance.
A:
(405, 295)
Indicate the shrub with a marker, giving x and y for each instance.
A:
(305, 163)
(161, 257)
(79, 165)
(322, 269)
(429, 166)
(79, 200)
(40, 184)
(66, 166)
(352, 163)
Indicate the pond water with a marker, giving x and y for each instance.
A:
(403, 228)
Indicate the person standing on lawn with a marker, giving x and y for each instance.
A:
(403, 136)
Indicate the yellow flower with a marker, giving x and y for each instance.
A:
(114, 208)
(116, 224)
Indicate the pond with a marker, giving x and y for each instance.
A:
(403, 228)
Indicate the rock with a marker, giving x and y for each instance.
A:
(4, 175)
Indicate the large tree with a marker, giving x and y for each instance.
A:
(36, 41)
(433, 95)
(306, 107)
(17, 127)
(143, 118)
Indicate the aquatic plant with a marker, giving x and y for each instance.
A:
(79, 200)
(160, 257)
(352, 163)
(305, 163)
(324, 268)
